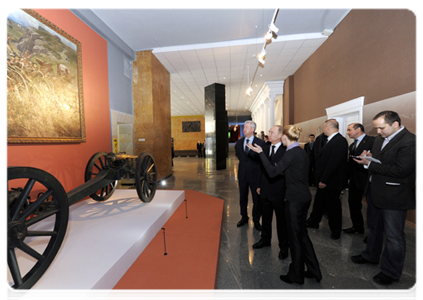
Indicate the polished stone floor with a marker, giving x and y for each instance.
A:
(242, 267)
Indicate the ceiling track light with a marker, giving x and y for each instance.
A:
(273, 28)
(249, 91)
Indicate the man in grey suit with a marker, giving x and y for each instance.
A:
(248, 174)
(357, 175)
(391, 191)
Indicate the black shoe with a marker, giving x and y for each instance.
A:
(307, 274)
(283, 254)
(335, 236)
(261, 244)
(383, 279)
(312, 225)
(242, 222)
(353, 230)
(257, 226)
(358, 259)
(285, 278)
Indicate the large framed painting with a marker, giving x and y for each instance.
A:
(44, 82)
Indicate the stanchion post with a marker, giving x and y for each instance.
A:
(164, 238)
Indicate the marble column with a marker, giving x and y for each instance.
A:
(151, 100)
(216, 125)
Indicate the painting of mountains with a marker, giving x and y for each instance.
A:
(44, 82)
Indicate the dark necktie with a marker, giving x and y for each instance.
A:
(354, 146)
(272, 153)
(246, 148)
(311, 146)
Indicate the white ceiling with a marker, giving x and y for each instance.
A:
(200, 47)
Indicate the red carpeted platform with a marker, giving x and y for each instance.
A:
(192, 247)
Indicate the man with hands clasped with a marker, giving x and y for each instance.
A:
(390, 191)
(272, 195)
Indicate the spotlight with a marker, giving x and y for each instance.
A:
(163, 182)
(268, 37)
(262, 54)
(261, 62)
(273, 28)
(249, 91)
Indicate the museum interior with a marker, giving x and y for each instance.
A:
(122, 173)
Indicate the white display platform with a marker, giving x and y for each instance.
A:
(103, 239)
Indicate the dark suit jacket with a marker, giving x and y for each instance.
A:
(331, 163)
(318, 144)
(294, 164)
(272, 188)
(249, 163)
(310, 152)
(358, 174)
(394, 181)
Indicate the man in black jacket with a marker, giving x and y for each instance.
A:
(248, 174)
(331, 179)
(272, 196)
(309, 149)
(391, 191)
(357, 175)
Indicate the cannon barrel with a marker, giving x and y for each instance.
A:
(120, 156)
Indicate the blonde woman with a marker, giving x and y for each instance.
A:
(294, 165)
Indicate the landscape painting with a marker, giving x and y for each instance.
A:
(44, 82)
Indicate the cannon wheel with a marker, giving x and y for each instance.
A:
(97, 163)
(22, 214)
(146, 177)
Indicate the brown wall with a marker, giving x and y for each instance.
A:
(151, 100)
(372, 53)
(187, 140)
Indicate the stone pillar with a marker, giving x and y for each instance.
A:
(216, 125)
(151, 100)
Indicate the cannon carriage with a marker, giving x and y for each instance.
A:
(38, 206)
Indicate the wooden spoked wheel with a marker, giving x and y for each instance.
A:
(146, 177)
(97, 163)
(37, 216)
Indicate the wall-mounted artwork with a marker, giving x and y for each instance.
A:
(44, 82)
(194, 126)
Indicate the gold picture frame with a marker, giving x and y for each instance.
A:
(44, 82)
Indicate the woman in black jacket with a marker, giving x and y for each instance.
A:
(294, 165)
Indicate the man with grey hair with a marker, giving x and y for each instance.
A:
(248, 174)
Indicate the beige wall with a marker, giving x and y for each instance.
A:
(187, 140)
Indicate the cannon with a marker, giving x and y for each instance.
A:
(35, 195)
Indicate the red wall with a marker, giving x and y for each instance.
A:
(67, 162)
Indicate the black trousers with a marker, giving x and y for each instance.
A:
(267, 208)
(355, 197)
(302, 250)
(328, 199)
(243, 199)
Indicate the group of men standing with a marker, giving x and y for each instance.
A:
(201, 149)
(386, 179)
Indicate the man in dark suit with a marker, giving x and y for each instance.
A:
(272, 196)
(309, 147)
(331, 179)
(357, 175)
(248, 174)
(199, 149)
(391, 191)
